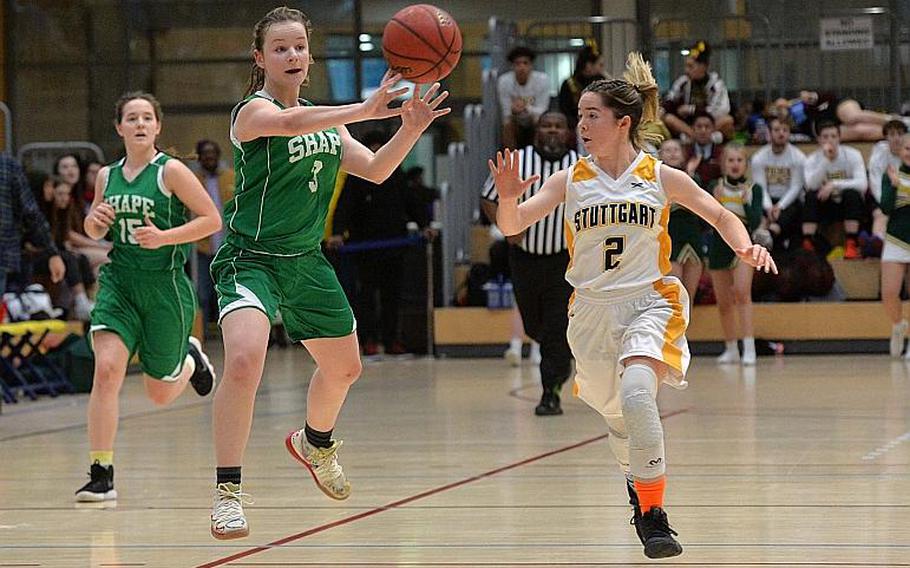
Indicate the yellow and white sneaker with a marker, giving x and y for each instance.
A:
(322, 463)
(228, 520)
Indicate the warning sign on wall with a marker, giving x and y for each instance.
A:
(839, 34)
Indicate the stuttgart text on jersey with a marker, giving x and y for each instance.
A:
(616, 213)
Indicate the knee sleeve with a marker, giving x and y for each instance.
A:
(619, 442)
(642, 420)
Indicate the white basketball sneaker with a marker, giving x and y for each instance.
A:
(322, 463)
(228, 520)
(898, 331)
(728, 357)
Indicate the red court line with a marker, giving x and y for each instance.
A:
(406, 500)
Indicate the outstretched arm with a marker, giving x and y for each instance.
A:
(416, 116)
(681, 189)
(260, 117)
(511, 217)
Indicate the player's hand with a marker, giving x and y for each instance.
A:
(508, 182)
(892, 175)
(149, 236)
(419, 112)
(377, 105)
(56, 268)
(825, 191)
(334, 242)
(757, 256)
(102, 216)
(692, 165)
(774, 214)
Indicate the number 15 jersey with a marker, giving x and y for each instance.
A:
(616, 229)
(282, 190)
(144, 196)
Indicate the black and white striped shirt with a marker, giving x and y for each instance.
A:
(545, 236)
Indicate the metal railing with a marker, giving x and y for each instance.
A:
(41, 155)
(460, 196)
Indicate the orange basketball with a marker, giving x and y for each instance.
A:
(422, 42)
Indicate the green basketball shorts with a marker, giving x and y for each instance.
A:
(152, 312)
(303, 288)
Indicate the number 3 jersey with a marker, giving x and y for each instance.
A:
(616, 230)
(282, 190)
(146, 195)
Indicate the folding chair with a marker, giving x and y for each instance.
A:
(24, 365)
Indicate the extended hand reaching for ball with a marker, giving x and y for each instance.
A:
(377, 105)
(419, 112)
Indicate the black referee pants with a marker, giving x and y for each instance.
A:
(542, 295)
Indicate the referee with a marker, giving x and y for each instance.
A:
(538, 259)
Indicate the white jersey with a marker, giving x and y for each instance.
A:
(616, 230)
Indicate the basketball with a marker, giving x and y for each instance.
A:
(422, 42)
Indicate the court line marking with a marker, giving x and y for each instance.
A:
(884, 449)
(737, 564)
(406, 500)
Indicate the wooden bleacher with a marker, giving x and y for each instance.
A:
(820, 321)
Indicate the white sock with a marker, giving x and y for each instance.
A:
(189, 363)
(515, 344)
(749, 345)
(730, 346)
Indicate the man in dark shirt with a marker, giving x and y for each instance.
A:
(20, 216)
(370, 212)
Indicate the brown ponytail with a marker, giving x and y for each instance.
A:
(276, 16)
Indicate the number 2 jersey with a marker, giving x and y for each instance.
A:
(282, 190)
(146, 195)
(616, 230)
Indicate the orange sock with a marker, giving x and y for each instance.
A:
(651, 493)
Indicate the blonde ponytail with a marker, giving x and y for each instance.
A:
(636, 96)
(638, 73)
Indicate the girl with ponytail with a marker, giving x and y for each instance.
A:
(628, 319)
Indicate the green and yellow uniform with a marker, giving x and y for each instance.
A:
(271, 258)
(896, 205)
(144, 295)
(743, 199)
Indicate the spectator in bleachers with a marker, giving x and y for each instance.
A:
(686, 228)
(835, 183)
(218, 181)
(779, 168)
(370, 212)
(21, 219)
(588, 68)
(703, 155)
(68, 168)
(698, 90)
(885, 153)
(524, 95)
(91, 174)
(895, 201)
(64, 219)
(856, 124)
(733, 279)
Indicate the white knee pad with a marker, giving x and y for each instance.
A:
(619, 442)
(642, 420)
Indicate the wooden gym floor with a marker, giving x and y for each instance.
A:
(803, 461)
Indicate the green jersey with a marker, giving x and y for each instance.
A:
(133, 201)
(283, 188)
